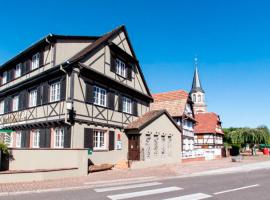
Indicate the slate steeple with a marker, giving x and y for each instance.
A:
(197, 93)
(196, 84)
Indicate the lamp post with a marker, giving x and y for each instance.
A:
(71, 112)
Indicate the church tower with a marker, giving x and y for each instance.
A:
(197, 93)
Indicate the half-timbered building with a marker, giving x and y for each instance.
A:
(180, 106)
(78, 92)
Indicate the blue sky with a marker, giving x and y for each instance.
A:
(231, 39)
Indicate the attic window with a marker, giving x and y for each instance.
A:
(4, 78)
(35, 61)
(120, 67)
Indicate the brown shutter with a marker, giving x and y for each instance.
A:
(113, 64)
(89, 92)
(88, 138)
(135, 108)
(120, 103)
(63, 89)
(47, 137)
(111, 140)
(25, 139)
(45, 93)
(129, 72)
(110, 99)
(41, 58)
(67, 137)
(42, 138)
(39, 95)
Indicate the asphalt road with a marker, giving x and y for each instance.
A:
(247, 186)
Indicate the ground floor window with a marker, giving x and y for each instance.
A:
(99, 140)
(59, 138)
(36, 138)
(8, 140)
(18, 139)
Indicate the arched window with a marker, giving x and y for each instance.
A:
(199, 98)
(194, 97)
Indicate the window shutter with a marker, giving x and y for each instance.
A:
(23, 99)
(113, 64)
(21, 96)
(129, 72)
(45, 93)
(111, 140)
(23, 69)
(42, 138)
(63, 89)
(120, 103)
(67, 137)
(88, 138)
(25, 142)
(27, 139)
(111, 99)
(39, 95)
(27, 65)
(89, 93)
(9, 75)
(135, 108)
(23, 138)
(41, 58)
(6, 109)
(48, 137)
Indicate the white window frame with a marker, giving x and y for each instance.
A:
(18, 70)
(99, 140)
(35, 61)
(59, 135)
(15, 103)
(120, 67)
(4, 78)
(2, 107)
(33, 98)
(8, 139)
(127, 105)
(55, 90)
(100, 96)
(18, 139)
(36, 138)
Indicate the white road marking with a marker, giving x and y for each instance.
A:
(236, 189)
(196, 196)
(120, 180)
(143, 193)
(124, 187)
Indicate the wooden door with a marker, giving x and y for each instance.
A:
(134, 147)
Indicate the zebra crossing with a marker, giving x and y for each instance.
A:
(146, 190)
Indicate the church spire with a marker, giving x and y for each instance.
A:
(196, 84)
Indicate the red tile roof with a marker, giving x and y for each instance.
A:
(207, 123)
(174, 102)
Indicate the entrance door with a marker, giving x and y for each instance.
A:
(134, 147)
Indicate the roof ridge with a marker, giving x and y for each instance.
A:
(173, 91)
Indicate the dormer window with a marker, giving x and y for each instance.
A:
(120, 68)
(35, 61)
(18, 70)
(4, 78)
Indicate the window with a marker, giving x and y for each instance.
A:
(99, 96)
(18, 70)
(18, 139)
(55, 92)
(127, 105)
(199, 98)
(4, 78)
(2, 107)
(36, 138)
(59, 138)
(120, 68)
(99, 140)
(194, 97)
(35, 61)
(8, 140)
(15, 103)
(32, 98)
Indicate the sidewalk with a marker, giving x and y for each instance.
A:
(185, 169)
